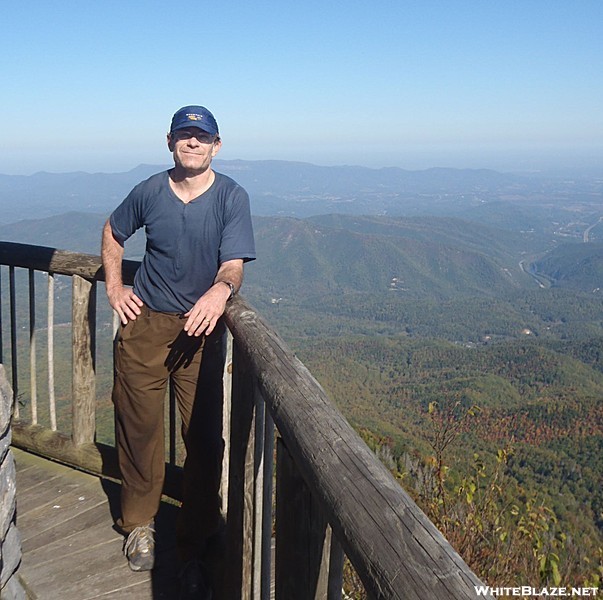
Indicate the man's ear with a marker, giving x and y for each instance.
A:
(216, 148)
(170, 143)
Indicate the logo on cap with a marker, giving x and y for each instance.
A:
(194, 117)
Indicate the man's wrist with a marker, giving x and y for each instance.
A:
(113, 287)
(231, 288)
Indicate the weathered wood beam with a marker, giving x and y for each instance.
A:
(397, 551)
(83, 403)
(96, 458)
(61, 262)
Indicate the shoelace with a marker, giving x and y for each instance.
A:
(141, 539)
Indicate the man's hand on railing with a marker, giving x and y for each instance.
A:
(125, 302)
(204, 315)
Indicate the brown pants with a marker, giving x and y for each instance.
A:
(148, 352)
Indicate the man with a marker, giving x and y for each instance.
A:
(199, 234)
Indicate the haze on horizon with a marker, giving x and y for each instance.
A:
(463, 84)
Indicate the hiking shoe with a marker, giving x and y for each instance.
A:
(194, 583)
(139, 548)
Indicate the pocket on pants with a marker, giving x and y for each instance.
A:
(124, 331)
(123, 335)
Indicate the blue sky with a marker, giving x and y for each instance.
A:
(513, 85)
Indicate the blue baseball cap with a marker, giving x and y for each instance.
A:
(194, 116)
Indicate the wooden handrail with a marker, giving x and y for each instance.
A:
(61, 262)
(395, 549)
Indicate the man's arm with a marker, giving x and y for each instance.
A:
(202, 318)
(121, 298)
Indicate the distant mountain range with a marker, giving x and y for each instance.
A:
(47, 194)
(432, 233)
(302, 190)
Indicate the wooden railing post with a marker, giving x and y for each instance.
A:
(226, 422)
(238, 580)
(52, 408)
(249, 521)
(302, 564)
(84, 377)
(267, 496)
(336, 560)
(262, 516)
(33, 372)
(13, 338)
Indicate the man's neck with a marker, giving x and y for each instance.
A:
(189, 185)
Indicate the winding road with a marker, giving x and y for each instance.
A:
(587, 231)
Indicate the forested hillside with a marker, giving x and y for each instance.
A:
(573, 266)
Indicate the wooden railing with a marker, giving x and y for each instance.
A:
(332, 495)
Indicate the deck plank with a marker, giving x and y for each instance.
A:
(32, 540)
(51, 518)
(42, 495)
(69, 545)
(70, 549)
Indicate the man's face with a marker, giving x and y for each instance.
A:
(193, 149)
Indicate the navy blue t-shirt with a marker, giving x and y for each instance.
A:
(186, 242)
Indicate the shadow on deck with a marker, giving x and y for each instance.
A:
(70, 549)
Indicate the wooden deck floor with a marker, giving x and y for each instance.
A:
(70, 549)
